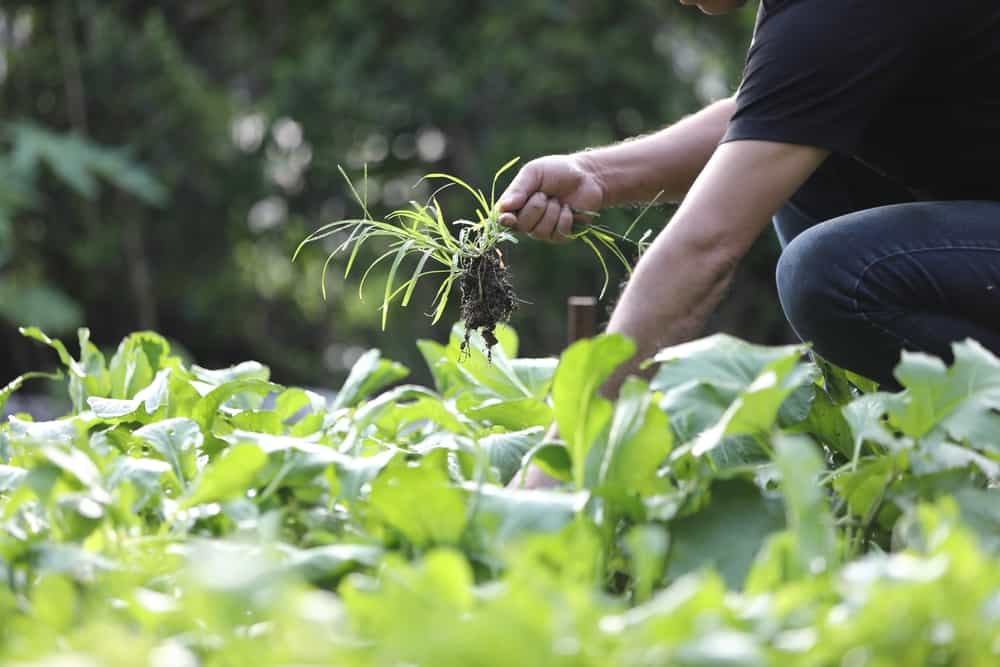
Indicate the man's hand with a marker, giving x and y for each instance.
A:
(544, 197)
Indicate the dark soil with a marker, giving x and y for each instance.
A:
(488, 296)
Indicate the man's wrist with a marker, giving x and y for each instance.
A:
(588, 162)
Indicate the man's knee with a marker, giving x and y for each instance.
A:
(808, 288)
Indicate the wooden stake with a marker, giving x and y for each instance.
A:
(582, 317)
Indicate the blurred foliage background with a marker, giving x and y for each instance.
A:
(160, 161)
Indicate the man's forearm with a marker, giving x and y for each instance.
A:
(666, 162)
(682, 277)
(668, 300)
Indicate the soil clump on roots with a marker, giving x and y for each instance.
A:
(488, 297)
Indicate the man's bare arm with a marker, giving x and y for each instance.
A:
(681, 279)
(668, 161)
(542, 198)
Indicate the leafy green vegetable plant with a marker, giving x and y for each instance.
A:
(189, 516)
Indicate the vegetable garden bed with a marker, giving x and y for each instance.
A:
(744, 507)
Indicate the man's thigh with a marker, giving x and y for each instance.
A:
(917, 276)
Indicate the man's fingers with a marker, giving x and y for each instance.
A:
(532, 212)
(546, 227)
(565, 225)
(525, 184)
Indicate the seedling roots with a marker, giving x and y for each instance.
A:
(488, 296)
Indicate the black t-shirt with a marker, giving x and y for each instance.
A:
(908, 87)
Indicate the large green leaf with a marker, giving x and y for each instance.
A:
(247, 370)
(149, 400)
(10, 477)
(964, 399)
(506, 514)
(582, 415)
(209, 407)
(230, 475)
(755, 410)
(720, 386)
(290, 460)
(806, 504)
(177, 441)
(725, 535)
(638, 441)
(726, 363)
(419, 502)
(506, 450)
(980, 510)
(516, 414)
(138, 359)
(332, 561)
(369, 374)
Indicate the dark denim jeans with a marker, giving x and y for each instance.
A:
(868, 271)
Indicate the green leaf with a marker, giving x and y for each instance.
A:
(514, 415)
(809, 516)
(864, 488)
(247, 370)
(755, 410)
(151, 398)
(581, 414)
(333, 561)
(827, 424)
(369, 374)
(964, 399)
(443, 370)
(10, 477)
(638, 442)
(62, 431)
(535, 374)
(506, 514)
(291, 461)
(229, 476)
(725, 535)
(980, 511)
(420, 409)
(694, 407)
(490, 374)
(648, 547)
(137, 360)
(420, 504)
(145, 474)
(726, 363)
(208, 408)
(507, 450)
(553, 459)
(177, 441)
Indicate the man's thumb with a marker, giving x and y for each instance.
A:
(520, 189)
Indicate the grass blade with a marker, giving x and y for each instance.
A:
(604, 265)
(416, 276)
(496, 177)
(442, 297)
(480, 197)
(368, 271)
(400, 255)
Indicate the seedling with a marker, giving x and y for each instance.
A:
(473, 259)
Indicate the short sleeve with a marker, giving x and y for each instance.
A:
(818, 72)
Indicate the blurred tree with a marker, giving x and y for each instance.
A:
(241, 112)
